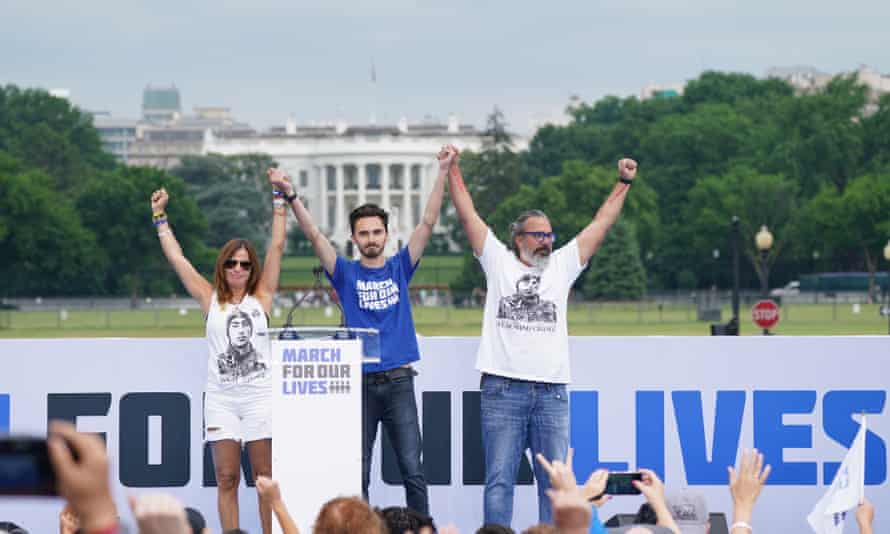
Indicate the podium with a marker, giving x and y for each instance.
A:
(317, 415)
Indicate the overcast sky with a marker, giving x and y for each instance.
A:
(267, 59)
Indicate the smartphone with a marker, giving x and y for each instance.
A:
(25, 468)
(622, 483)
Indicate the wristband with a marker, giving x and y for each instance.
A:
(741, 524)
(158, 222)
(290, 198)
(163, 233)
(276, 193)
(158, 215)
(624, 180)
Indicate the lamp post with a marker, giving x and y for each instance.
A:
(716, 255)
(764, 242)
(887, 291)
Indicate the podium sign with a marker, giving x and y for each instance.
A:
(316, 423)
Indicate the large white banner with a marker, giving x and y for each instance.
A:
(682, 406)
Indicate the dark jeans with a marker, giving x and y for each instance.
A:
(388, 398)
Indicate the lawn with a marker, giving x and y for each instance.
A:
(586, 319)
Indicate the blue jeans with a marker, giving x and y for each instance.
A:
(519, 415)
(391, 401)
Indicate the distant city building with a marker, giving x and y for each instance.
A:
(807, 79)
(662, 91)
(160, 104)
(163, 144)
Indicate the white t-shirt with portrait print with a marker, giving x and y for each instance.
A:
(238, 340)
(524, 328)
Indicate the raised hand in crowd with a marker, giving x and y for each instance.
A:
(562, 476)
(159, 513)
(653, 489)
(269, 491)
(159, 200)
(447, 156)
(82, 482)
(745, 485)
(865, 517)
(69, 523)
(280, 180)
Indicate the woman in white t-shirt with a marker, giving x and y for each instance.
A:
(237, 403)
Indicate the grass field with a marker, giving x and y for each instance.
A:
(433, 270)
(593, 319)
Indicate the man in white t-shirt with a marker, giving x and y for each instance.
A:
(524, 348)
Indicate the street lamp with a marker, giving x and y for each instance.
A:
(716, 255)
(764, 242)
(887, 291)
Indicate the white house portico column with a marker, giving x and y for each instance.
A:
(339, 223)
(362, 183)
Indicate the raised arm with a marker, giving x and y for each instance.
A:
(591, 237)
(196, 285)
(473, 225)
(323, 248)
(274, 252)
(270, 492)
(421, 235)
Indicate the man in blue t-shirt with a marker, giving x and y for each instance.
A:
(374, 294)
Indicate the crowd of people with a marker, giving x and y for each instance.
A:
(81, 466)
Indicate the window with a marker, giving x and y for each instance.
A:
(396, 176)
(331, 177)
(304, 179)
(372, 173)
(350, 177)
(415, 177)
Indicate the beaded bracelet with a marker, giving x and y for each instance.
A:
(741, 524)
(158, 222)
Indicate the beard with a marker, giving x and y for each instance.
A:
(538, 258)
(371, 251)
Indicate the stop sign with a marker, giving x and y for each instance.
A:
(765, 314)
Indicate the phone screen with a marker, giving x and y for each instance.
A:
(25, 468)
(622, 483)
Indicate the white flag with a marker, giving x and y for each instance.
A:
(846, 491)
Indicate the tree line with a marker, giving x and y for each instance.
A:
(814, 168)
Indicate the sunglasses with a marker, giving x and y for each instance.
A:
(542, 236)
(230, 264)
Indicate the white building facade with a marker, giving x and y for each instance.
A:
(337, 168)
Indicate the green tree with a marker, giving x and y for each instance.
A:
(116, 207)
(616, 271)
(233, 194)
(757, 199)
(852, 226)
(48, 133)
(48, 250)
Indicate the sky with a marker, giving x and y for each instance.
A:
(270, 59)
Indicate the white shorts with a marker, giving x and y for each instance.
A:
(237, 414)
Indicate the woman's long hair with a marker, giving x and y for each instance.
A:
(220, 285)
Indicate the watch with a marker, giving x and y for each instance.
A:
(290, 198)
(624, 180)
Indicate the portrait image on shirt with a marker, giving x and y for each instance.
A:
(241, 358)
(526, 304)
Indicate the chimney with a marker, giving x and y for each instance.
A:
(453, 124)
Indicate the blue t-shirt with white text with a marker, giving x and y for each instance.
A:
(378, 298)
